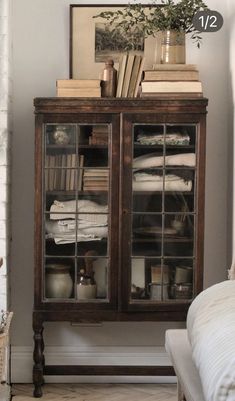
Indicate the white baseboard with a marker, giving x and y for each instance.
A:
(22, 363)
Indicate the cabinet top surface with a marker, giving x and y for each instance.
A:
(119, 104)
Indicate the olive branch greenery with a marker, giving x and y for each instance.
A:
(147, 20)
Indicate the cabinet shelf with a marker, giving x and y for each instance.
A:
(73, 146)
(164, 238)
(160, 147)
(73, 193)
(160, 193)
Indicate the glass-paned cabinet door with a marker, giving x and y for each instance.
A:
(163, 215)
(76, 214)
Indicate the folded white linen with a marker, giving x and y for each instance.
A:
(211, 332)
(153, 182)
(154, 160)
(69, 225)
(155, 177)
(87, 209)
(63, 233)
(174, 138)
(70, 238)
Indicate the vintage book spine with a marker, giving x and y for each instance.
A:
(63, 172)
(100, 128)
(51, 172)
(96, 141)
(92, 173)
(95, 180)
(127, 76)
(175, 67)
(58, 162)
(139, 76)
(177, 95)
(46, 173)
(95, 188)
(121, 73)
(150, 75)
(81, 172)
(134, 76)
(78, 83)
(79, 92)
(68, 172)
(171, 86)
(72, 183)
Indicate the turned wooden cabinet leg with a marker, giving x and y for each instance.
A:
(38, 358)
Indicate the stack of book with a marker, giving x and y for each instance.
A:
(129, 76)
(61, 172)
(78, 88)
(95, 179)
(180, 80)
(99, 135)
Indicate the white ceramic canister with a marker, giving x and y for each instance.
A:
(86, 287)
(59, 283)
(86, 291)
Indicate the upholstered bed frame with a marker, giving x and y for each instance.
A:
(180, 353)
(203, 355)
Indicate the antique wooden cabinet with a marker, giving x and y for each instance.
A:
(119, 215)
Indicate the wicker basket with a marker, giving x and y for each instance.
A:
(4, 339)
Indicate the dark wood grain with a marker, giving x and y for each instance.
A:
(109, 370)
(121, 114)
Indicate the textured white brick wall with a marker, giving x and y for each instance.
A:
(5, 142)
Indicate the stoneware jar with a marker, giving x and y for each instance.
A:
(59, 283)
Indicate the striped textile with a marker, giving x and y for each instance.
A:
(211, 332)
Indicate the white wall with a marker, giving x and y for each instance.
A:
(41, 55)
(231, 9)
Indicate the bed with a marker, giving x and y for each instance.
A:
(203, 355)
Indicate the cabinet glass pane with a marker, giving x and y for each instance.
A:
(162, 279)
(163, 211)
(147, 145)
(76, 222)
(59, 278)
(180, 137)
(181, 278)
(146, 234)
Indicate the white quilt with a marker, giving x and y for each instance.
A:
(211, 331)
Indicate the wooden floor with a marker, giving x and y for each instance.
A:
(98, 392)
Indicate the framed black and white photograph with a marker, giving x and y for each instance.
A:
(93, 40)
(110, 42)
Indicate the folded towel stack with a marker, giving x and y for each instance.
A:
(76, 221)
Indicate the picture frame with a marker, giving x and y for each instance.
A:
(83, 64)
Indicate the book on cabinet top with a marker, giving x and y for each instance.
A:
(134, 75)
(78, 92)
(171, 86)
(78, 83)
(175, 67)
(121, 73)
(127, 76)
(174, 95)
(139, 76)
(154, 75)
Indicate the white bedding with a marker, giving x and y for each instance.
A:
(154, 160)
(151, 182)
(211, 331)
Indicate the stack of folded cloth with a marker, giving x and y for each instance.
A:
(170, 138)
(75, 221)
(147, 178)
